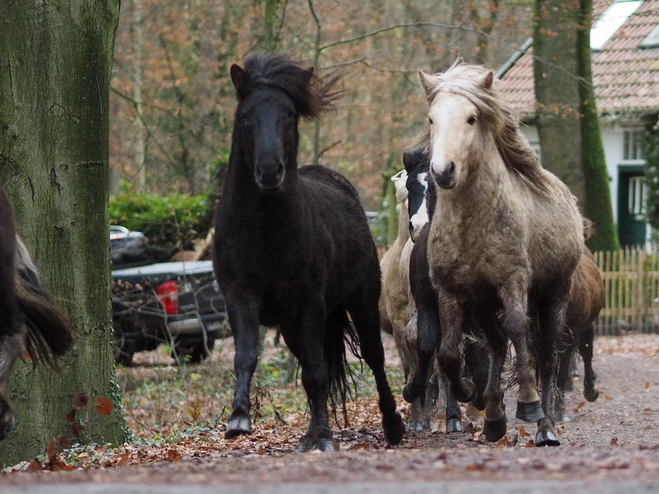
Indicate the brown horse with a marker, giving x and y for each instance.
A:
(504, 241)
(586, 300)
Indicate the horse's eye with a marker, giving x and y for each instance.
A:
(471, 120)
(430, 120)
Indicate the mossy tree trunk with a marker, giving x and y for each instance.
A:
(555, 72)
(567, 119)
(56, 61)
(597, 206)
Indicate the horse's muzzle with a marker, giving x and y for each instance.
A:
(270, 177)
(447, 178)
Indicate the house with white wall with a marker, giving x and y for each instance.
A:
(625, 64)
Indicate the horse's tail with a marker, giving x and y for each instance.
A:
(340, 333)
(49, 332)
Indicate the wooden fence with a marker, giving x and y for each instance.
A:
(631, 287)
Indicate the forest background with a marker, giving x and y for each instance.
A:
(172, 101)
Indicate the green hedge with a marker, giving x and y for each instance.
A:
(170, 223)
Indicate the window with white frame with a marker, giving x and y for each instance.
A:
(638, 191)
(632, 149)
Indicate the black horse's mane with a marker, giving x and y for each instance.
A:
(310, 94)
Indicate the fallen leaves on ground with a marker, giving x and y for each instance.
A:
(178, 415)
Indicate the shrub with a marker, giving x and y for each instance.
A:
(170, 223)
(651, 148)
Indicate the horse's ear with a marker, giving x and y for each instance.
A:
(487, 81)
(308, 74)
(407, 160)
(427, 82)
(237, 76)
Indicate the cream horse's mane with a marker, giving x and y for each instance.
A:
(495, 113)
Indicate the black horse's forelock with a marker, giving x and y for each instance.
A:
(310, 94)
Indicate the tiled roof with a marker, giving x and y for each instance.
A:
(626, 77)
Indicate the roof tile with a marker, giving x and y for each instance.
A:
(626, 77)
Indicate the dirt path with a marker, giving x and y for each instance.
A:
(612, 444)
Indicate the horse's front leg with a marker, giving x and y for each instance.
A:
(363, 309)
(451, 316)
(243, 317)
(517, 324)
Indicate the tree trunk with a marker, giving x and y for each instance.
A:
(597, 207)
(54, 125)
(555, 72)
(140, 134)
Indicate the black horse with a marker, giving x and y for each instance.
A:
(420, 196)
(30, 322)
(293, 250)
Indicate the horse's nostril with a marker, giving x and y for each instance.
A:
(450, 169)
(280, 168)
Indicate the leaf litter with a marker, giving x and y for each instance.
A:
(177, 418)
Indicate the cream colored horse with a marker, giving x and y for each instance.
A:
(504, 241)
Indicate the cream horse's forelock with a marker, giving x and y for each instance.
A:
(495, 113)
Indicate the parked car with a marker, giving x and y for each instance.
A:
(178, 303)
(128, 248)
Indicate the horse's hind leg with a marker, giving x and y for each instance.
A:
(245, 327)
(363, 309)
(453, 412)
(551, 320)
(586, 337)
(565, 353)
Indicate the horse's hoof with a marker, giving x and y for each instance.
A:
(325, 445)
(411, 394)
(415, 425)
(394, 429)
(453, 425)
(479, 402)
(465, 391)
(429, 424)
(590, 394)
(530, 412)
(493, 430)
(569, 385)
(562, 417)
(238, 426)
(546, 438)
